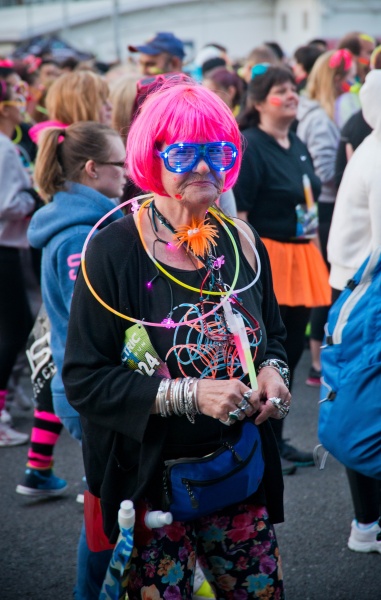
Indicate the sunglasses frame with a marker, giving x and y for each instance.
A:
(201, 152)
(20, 103)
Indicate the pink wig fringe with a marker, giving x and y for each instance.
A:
(178, 113)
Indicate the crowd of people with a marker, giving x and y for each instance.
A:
(187, 229)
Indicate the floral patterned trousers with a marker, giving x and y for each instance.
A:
(236, 549)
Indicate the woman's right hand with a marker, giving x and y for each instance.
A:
(216, 398)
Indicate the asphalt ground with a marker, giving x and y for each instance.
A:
(38, 538)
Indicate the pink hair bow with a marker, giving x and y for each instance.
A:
(7, 63)
(32, 62)
(342, 55)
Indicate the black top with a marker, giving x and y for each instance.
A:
(354, 132)
(27, 147)
(270, 183)
(123, 445)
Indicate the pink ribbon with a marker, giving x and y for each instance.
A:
(32, 62)
(6, 63)
(342, 55)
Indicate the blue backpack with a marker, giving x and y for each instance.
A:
(350, 399)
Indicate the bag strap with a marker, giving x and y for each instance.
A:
(356, 295)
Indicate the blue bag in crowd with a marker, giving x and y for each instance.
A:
(350, 405)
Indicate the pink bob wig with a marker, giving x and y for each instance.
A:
(186, 112)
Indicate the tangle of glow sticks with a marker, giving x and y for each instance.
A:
(169, 323)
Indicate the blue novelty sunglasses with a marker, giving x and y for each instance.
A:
(183, 156)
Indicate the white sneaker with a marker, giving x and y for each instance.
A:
(364, 540)
(10, 437)
(5, 417)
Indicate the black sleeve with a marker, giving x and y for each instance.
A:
(341, 155)
(97, 385)
(275, 329)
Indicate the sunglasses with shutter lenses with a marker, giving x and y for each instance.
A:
(183, 156)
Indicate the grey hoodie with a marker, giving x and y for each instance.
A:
(321, 136)
(15, 201)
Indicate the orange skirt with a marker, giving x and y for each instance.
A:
(300, 274)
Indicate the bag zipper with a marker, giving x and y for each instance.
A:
(189, 482)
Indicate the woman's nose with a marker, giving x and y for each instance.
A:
(201, 167)
(293, 94)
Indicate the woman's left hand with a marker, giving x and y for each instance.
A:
(270, 385)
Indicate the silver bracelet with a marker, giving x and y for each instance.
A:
(191, 411)
(162, 404)
(167, 398)
(178, 397)
(280, 367)
(195, 397)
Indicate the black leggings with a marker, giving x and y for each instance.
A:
(295, 319)
(16, 319)
(366, 496)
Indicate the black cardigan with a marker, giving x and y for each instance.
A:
(123, 445)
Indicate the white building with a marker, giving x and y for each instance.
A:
(105, 27)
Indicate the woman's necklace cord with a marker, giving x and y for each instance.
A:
(198, 237)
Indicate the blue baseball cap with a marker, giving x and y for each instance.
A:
(162, 42)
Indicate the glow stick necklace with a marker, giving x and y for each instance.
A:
(185, 285)
(169, 323)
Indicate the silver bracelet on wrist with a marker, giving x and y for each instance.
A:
(178, 397)
(280, 366)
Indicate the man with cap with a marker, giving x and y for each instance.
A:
(162, 54)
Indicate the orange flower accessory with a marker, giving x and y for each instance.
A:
(197, 236)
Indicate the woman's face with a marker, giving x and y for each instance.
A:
(105, 113)
(226, 95)
(281, 103)
(16, 107)
(111, 178)
(201, 186)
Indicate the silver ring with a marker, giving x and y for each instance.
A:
(247, 395)
(228, 422)
(244, 404)
(235, 414)
(282, 406)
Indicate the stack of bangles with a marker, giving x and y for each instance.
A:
(178, 397)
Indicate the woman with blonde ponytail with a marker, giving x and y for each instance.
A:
(321, 111)
(78, 171)
(80, 174)
(73, 97)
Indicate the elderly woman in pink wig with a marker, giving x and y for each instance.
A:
(175, 350)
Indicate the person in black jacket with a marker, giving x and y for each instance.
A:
(152, 364)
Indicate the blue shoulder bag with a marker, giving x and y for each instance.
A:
(194, 487)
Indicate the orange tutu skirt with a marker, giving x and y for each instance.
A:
(300, 274)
